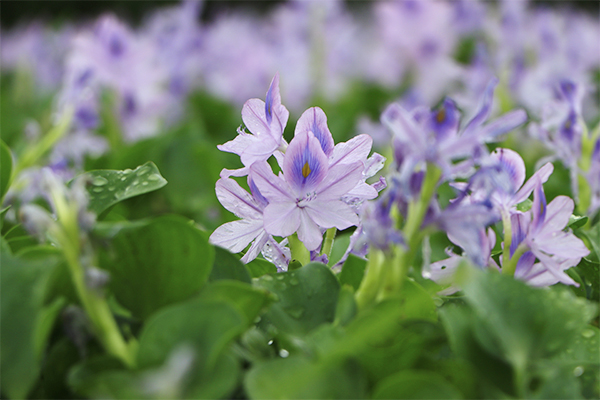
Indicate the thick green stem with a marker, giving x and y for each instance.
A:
(328, 241)
(34, 153)
(509, 266)
(299, 251)
(95, 305)
(369, 287)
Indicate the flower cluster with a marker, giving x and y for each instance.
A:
(319, 186)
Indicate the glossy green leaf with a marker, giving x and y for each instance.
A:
(307, 298)
(206, 325)
(160, 263)
(5, 168)
(297, 377)
(108, 187)
(353, 271)
(577, 221)
(249, 301)
(259, 267)
(228, 266)
(413, 384)
(24, 322)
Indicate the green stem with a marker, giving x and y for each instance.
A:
(328, 242)
(299, 251)
(509, 266)
(34, 153)
(506, 224)
(374, 274)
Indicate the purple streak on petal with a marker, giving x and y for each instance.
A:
(257, 195)
(272, 95)
(444, 121)
(237, 200)
(524, 264)
(511, 163)
(519, 225)
(305, 164)
(484, 108)
(272, 187)
(315, 121)
(538, 209)
(281, 219)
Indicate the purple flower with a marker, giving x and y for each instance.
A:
(541, 232)
(266, 122)
(236, 235)
(433, 136)
(306, 197)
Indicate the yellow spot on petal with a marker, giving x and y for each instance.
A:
(306, 170)
(441, 116)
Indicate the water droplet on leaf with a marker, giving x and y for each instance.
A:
(588, 333)
(578, 371)
(99, 181)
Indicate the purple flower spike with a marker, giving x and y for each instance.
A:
(266, 122)
(307, 196)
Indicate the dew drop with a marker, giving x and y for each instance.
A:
(135, 182)
(143, 170)
(588, 333)
(578, 371)
(280, 277)
(153, 177)
(283, 353)
(295, 312)
(123, 178)
(144, 183)
(267, 278)
(111, 188)
(97, 189)
(99, 181)
(270, 342)
(294, 281)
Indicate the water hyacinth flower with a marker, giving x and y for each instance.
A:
(266, 121)
(307, 196)
(539, 234)
(434, 135)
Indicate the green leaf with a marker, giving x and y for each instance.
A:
(297, 377)
(59, 359)
(228, 266)
(525, 205)
(45, 322)
(577, 221)
(5, 169)
(208, 326)
(259, 267)
(416, 302)
(346, 307)
(166, 261)
(247, 300)
(307, 298)
(413, 384)
(3, 215)
(353, 271)
(108, 187)
(21, 290)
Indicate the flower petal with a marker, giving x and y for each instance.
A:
(485, 106)
(305, 164)
(540, 175)
(332, 213)
(512, 163)
(235, 235)
(340, 180)
(237, 200)
(557, 215)
(355, 149)
(308, 232)
(272, 187)
(256, 247)
(281, 219)
(504, 123)
(314, 120)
